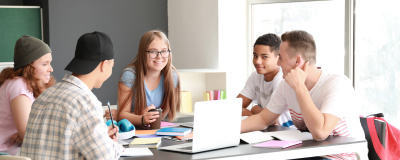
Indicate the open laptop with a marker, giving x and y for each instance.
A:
(187, 124)
(216, 125)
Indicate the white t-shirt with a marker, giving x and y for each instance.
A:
(260, 91)
(332, 94)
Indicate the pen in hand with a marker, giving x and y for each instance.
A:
(112, 120)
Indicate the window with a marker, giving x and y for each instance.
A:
(376, 43)
(325, 20)
(377, 58)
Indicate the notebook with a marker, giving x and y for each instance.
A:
(291, 135)
(145, 142)
(255, 137)
(168, 124)
(277, 144)
(217, 125)
(174, 131)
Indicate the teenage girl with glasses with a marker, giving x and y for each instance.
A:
(150, 81)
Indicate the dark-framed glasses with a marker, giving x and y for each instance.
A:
(154, 53)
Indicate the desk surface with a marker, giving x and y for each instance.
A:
(331, 145)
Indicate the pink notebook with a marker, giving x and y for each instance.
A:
(168, 124)
(277, 144)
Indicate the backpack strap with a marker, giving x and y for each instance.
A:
(379, 149)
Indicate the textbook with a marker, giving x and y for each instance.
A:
(174, 131)
(277, 144)
(146, 142)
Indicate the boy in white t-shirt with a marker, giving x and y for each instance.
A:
(264, 81)
(319, 102)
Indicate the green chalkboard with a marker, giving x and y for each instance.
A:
(14, 23)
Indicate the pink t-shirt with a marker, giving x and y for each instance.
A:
(8, 91)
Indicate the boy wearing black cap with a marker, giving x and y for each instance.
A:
(66, 120)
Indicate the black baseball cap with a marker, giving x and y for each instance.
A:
(91, 49)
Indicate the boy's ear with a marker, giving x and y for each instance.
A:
(299, 60)
(102, 65)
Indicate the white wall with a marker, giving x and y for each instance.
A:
(232, 34)
(198, 82)
(192, 31)
(210, 35)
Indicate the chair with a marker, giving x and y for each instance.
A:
(380, 127)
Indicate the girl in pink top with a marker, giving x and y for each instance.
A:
(20, 86)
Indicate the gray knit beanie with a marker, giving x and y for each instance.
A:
(28, 49)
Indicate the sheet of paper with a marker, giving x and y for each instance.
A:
(255, 137)
(291, 135)
(130, 152)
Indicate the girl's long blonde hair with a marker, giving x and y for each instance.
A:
(28, 74)
(171, 98)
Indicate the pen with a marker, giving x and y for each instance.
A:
(112, 120)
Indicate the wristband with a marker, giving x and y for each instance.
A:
(143, 123)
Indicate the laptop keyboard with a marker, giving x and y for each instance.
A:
(186, 148)
(188, 124)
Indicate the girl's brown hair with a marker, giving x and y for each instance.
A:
(28, 75)
(171, 98)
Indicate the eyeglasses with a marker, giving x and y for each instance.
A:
(154, 53)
